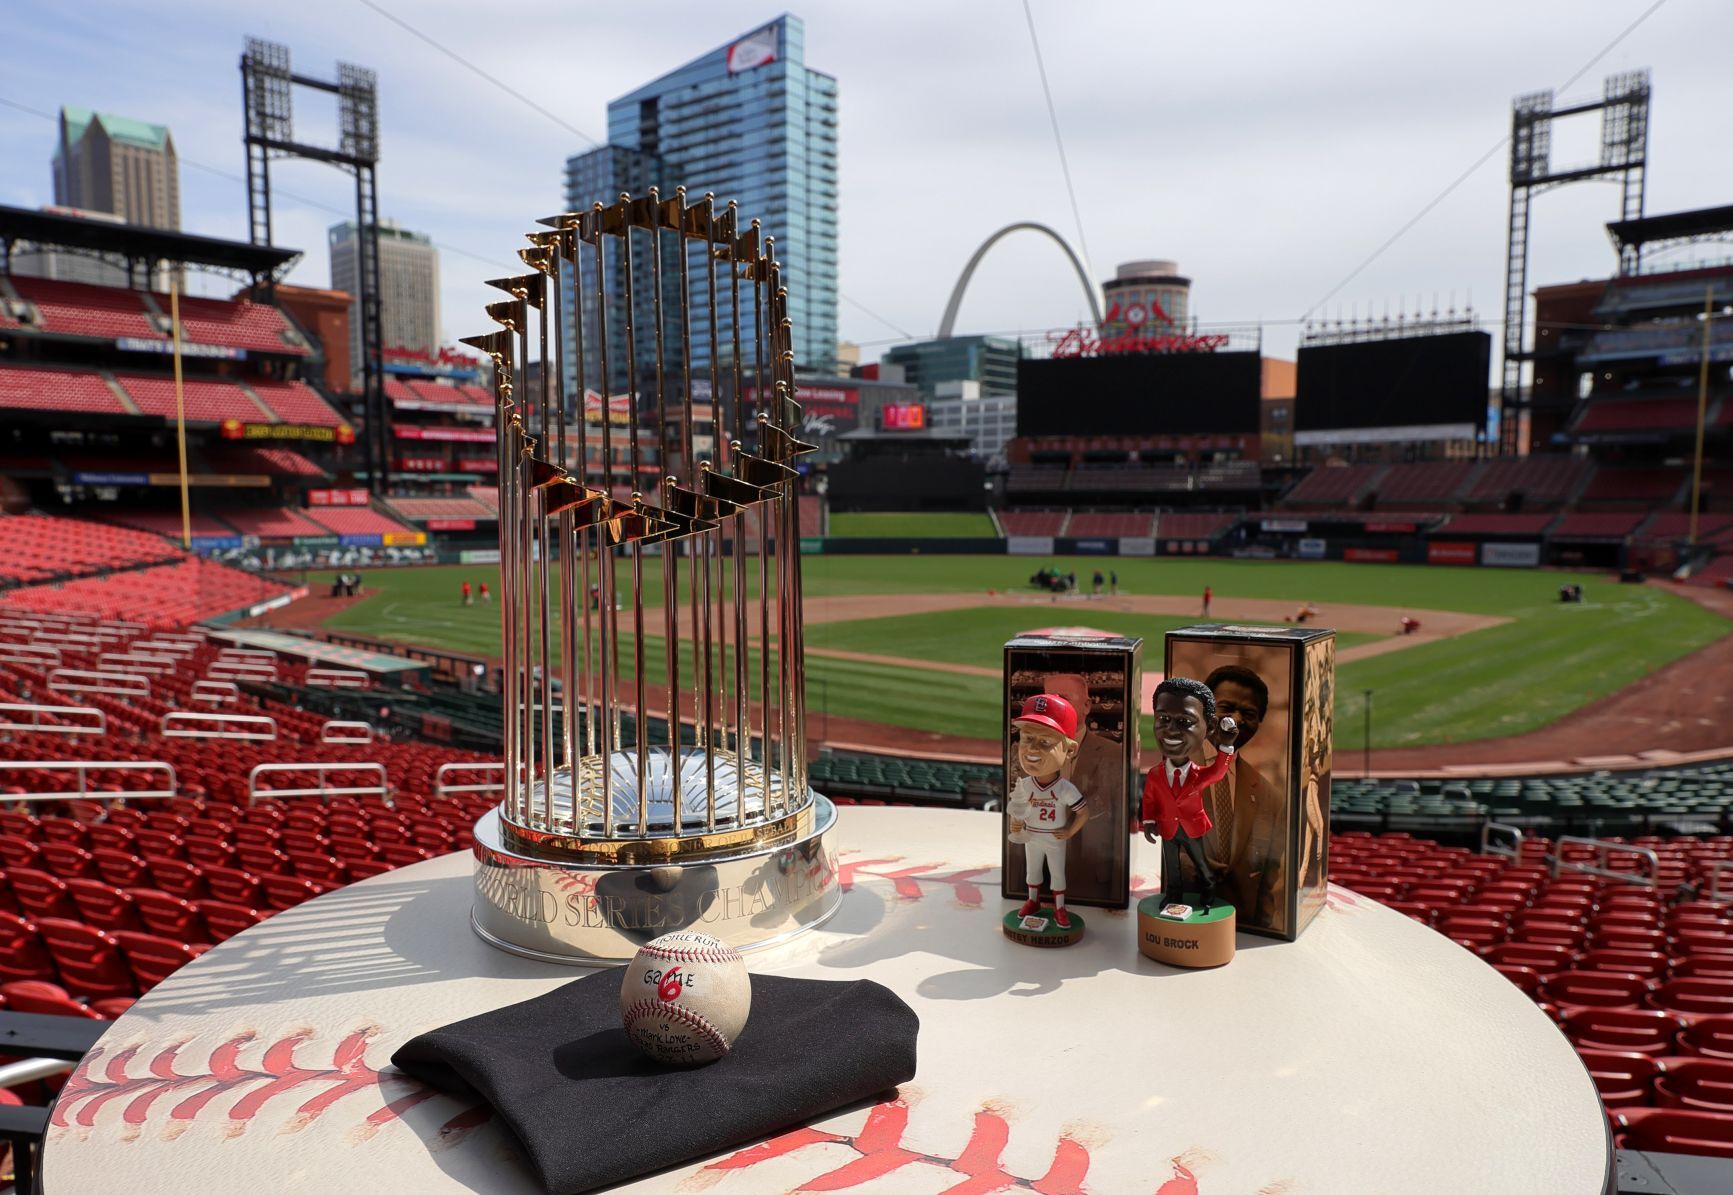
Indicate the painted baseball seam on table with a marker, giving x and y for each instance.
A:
(907, 881)
(880, 1151)
(96, 1084)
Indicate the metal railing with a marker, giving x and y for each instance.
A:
(39, 654)
(138, 662)
(240, 671)
(346, 732)
(218, 692)
(180, 650)
(1489, 830)
(441, 788)
(195, 724)
(243, 655)
(82, 769)
(338, 678)
(1604, 850)
(121, 684)
(325, 791)
(98, 723)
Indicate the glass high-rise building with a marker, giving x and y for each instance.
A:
(750, 122)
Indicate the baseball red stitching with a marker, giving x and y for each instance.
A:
(703, 954)
(685, 1015)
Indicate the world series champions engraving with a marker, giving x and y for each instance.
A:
(655, 750)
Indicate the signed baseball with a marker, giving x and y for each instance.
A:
(685, 998)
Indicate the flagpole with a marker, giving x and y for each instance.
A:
(1702, 409)
(174, 307)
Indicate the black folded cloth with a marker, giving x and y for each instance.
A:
(591, 1110)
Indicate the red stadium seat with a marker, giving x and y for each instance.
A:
(1623, 1079)
(1676, 1131)
(19, 852)
(232, 885)
(1705, 1084)
(40, 894)
(1703, 966)
(285, 892)
(176, 877)
(44, 999)
(225, 920)
(88, 961)
(168, 915)
(152, 958)
(1697, 997)
(23, 956)
(1620, 1030)
(105, 907)
(117, 867)
(1595, 989)
(1710, 1037)
(1644, 964)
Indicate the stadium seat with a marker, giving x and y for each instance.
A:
(1642, 964)
(120, 868)
(23, 956)
(1676, 1131)
(1622, 1030)
(225, 920)
(153, 958)
(1694, 996)
(87, 960)
(1705, 1084)
(1623, 1079)
(1595, 989)
(40, 894)
(106, 908)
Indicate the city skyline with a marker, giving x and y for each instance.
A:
(1270, 164)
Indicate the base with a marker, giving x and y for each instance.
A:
(1195, 940)
(588, 913)
(1025, 932)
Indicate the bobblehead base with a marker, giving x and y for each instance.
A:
(1039, 929)
(1194, 940)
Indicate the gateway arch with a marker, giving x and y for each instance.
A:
(948, 324)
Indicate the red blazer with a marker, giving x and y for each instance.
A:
(1182, 810)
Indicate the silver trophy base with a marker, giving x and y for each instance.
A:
(585, 913)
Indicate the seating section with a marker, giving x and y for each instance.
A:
(1032, 522)
(78, 309)
(1111, 525)
(1333, 485)
(36, 548)
(1613, 525)
(1497, 524)
(1631, 488)
(167, 523)
(235, 323)
(1145, 478)
(355, 520)
(275, 524)
(440, 392)
(1621, 415)
(80, 391)
(1193, 525)
(296, 402)
(1426, 485)
(442, 508)
(1035, 478)
(1639, 981)
(208, 400)
(248, 458)
(1540, 480)
(487, 495)
(185, 591)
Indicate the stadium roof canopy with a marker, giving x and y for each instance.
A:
(137, 246)
(1701, 224)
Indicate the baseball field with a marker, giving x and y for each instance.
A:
(911, 645)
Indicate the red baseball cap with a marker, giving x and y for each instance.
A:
(1051, 710)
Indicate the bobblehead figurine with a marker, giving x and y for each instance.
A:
(1045, 811)
(1170, 930)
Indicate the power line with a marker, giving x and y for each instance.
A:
(1478, 162)
(1053, 116)
(881, 319)
(275, 190)
(470, 66)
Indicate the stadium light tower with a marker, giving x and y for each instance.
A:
(1624, 109)
(267, 94)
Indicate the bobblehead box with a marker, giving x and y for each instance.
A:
(1270, 833)
(1099, 676)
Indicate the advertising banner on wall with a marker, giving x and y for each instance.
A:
(1029, 545)
(353, 497)
(1510, 555)
(1370, 555)
(1312, 549)
(478, 556)
(1137, 545)
(451, 524)
(1450, 553)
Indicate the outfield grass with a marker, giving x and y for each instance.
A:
(1550, 659)
(912, 526)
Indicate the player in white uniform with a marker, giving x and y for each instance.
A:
(1046, 811)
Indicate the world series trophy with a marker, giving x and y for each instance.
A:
(613, 831)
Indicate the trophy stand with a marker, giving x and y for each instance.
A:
(606, 837)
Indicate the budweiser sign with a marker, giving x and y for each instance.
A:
(1131, 336)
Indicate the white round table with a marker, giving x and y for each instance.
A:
(1372, 1056)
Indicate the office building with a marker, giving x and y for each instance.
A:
(990, 361)
(750, 122)
(988, 421)
(108, 163)
(408, 287)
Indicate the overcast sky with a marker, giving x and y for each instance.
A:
(1268, 147)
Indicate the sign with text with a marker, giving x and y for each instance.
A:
(355, 497)
(903, 417)
(1510, 555)
(234, 429)
(1450, 553)
(462, 435)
